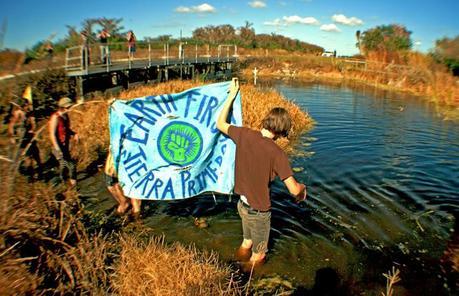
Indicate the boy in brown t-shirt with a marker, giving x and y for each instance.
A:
(258, 161)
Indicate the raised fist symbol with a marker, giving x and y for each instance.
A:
(178, 145)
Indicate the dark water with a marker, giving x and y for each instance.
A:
(382, 171)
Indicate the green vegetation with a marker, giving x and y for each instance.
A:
(385, 38)
(447, 52)
(245, 36)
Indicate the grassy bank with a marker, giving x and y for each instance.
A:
(413, 72)
(51, 244)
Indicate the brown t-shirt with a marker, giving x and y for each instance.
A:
(258, 161)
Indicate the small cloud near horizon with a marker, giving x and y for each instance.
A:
(203, 8)
(348, 21)
(257, 4)
(277, 23)
(293, 19)
(330, 28)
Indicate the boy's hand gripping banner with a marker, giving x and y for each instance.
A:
(167, 147)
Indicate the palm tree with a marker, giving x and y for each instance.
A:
(357, 35)
(111, 25)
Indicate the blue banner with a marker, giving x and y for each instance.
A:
(167, 147)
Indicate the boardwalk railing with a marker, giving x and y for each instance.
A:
(82, 58)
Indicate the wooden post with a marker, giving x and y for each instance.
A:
(149, 54)
(80, 90)
(160, 74)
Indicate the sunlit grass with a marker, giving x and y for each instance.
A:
(154, 268)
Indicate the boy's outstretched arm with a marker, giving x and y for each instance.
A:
(296, 189)
(222, 123)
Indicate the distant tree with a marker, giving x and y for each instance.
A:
(73, 37)
(385, 38)
(447, 52)
(204, 34)
(87, 27)
(164, 38)
(112, 25)
(247, 35)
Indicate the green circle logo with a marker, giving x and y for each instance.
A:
(179, 143)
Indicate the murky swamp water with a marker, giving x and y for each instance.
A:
(382, 171)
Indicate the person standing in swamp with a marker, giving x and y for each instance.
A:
(114, 187)
(22, 126)
(258, 161)
(60, 134)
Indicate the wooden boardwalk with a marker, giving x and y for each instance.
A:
(136, 64)
(92, 71)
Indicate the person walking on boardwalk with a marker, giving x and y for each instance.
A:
(60, 134)
(131, 39)
(114, 187)
(258, 161)
(104, 51)
(85, 50)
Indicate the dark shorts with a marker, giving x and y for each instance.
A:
(131, 49)
(110, 180)
(255, 226)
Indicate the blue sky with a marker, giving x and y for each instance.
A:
(327, 23)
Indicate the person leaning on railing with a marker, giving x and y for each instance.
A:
(131, 39)
(103, 40)
(85, 58)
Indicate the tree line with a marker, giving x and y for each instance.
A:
(386, 40)
(394, 38)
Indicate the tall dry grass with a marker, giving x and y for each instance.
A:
(405, 71)
(44, 246)
(155, 268)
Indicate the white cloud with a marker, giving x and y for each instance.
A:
(348, 21)
(330, 28)
(257, 4)
(183, 9)
(277, 22)
(417, 43)
(203, 8)
(294, 19)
